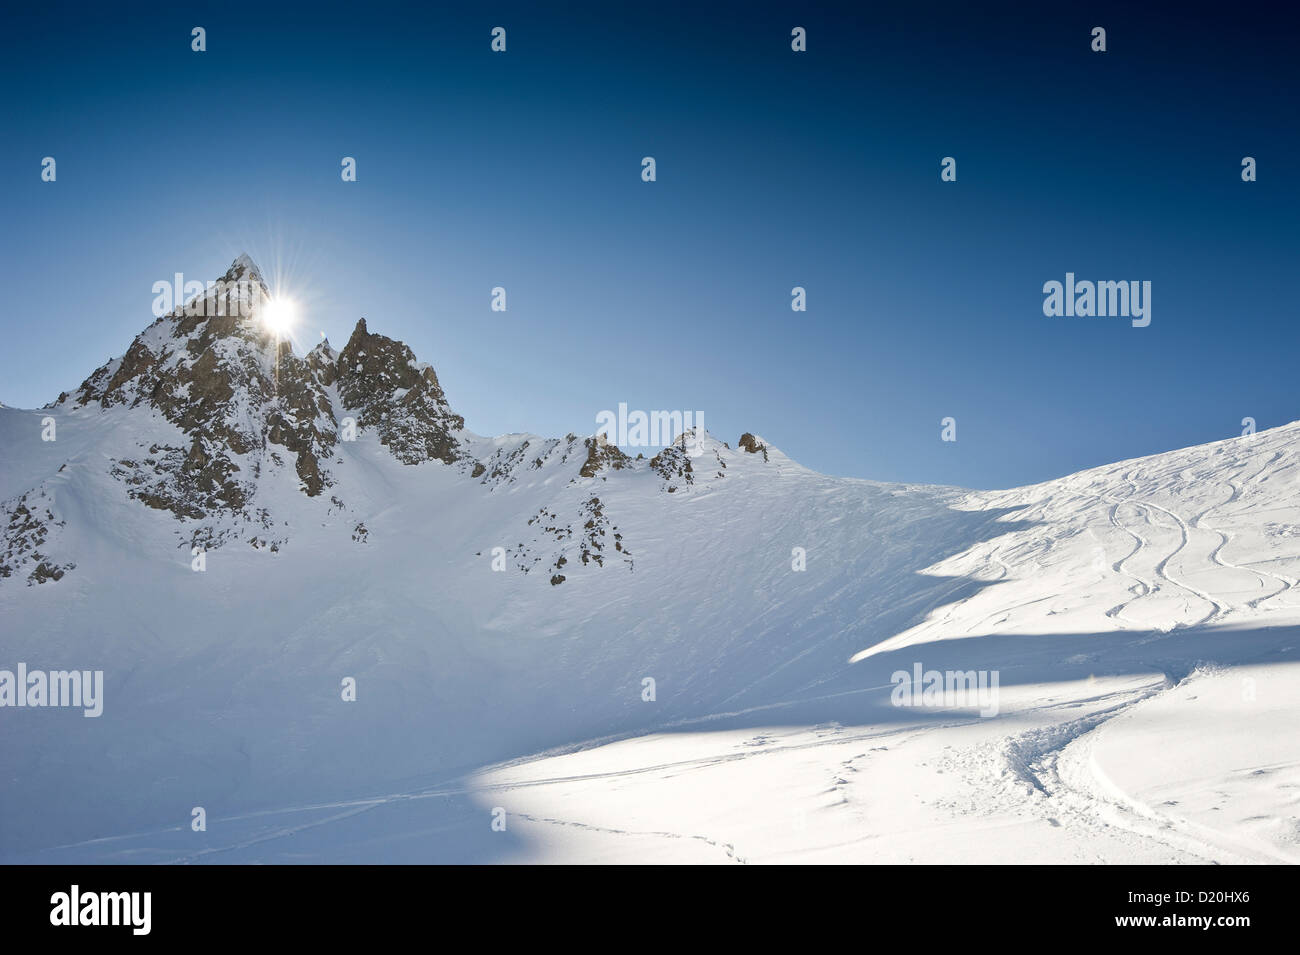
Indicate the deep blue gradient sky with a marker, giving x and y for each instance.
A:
(775, 169)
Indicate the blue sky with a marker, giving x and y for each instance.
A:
(775, 169)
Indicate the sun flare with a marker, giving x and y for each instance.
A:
(279, 314)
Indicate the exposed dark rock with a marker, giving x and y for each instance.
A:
(380, 379)
(752, 445)
(600, 455)
(194, 484)
(673, 464)
(23, 539)
(323, 362)
(247, 408)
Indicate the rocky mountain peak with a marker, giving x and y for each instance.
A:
(323, 361)
(245, 266)
(380, 379)
(244, 403)
(233, 387)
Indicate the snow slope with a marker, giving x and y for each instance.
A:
(1142, 619)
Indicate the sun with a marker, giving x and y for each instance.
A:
(279, 315)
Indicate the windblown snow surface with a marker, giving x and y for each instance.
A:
(1143, 619)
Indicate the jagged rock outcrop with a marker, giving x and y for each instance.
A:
(601, 455)
(212, 369)
(380, 380)
(24, 537)
(243, 409)
(323, 362)
(752, 445)
(245, 403)
(673, 464)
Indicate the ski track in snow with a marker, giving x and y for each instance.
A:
(1285, 583)
(1056, 762)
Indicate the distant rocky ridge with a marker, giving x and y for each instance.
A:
(242, 408)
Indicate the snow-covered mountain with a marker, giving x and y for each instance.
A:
(687, 656)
